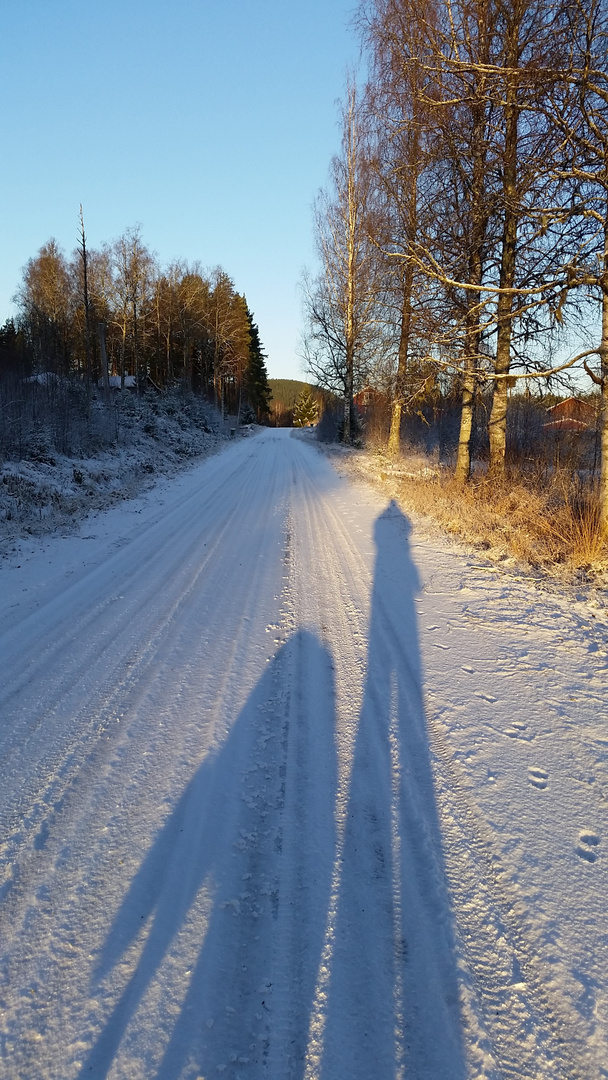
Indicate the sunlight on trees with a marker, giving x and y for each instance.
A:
(160, 326)
(463, 237)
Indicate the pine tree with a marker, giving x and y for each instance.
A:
(257, 390)
(306, 409)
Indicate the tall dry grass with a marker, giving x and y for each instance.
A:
(545, 512)
(548, 520)
(556, 523)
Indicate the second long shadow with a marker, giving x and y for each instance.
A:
(393, 1005)
(250, 847)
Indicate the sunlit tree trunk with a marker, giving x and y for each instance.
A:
(399, 397)
(497, 426)
(603, 417)
(85, 298)
(479, 218)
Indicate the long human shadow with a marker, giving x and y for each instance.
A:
(392, 1007)
(249, 851)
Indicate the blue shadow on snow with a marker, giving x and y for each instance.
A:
(390, 1007)
(260, 875)
(393, 1005)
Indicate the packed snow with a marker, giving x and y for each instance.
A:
(292, 789)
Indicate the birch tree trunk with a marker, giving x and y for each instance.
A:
(105, 378)
(603, 417)
(497, 426)
(479, 215)
(399, 399)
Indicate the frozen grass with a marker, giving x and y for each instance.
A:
(550, 523)
(45, 490)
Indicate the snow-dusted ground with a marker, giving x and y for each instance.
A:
(155, 437)
(291, 791)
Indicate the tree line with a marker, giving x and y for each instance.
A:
(463, 235)
(104, 315)
(295, 403)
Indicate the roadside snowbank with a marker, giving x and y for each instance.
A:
(47, 491)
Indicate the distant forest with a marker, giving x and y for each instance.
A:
(285, 393)
(115, 314)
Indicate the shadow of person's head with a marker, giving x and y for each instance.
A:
(394, 567)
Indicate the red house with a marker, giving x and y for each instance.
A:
(368, 397)
(572, 414)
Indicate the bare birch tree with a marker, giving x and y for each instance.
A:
(228, 326)
(46, 302)
(133, 276)
(465, 114)
(396, 35)
(496, 245)
(520, 45)
(578, 107)
(341, 303)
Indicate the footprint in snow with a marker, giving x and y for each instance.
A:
(41, 836)
(587, 843)
(516, 729)
(538, 777)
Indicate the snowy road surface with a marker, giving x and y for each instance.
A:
(290, 793)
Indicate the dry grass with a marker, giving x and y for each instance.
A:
(578, 527)
(551, 524)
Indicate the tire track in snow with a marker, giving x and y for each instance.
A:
(65, 753)
(261, 940)
(77, 821)
(510, 982)
(314, 556)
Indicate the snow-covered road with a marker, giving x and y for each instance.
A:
(289, 792)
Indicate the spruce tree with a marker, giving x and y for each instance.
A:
(257, 390)
(306, 409)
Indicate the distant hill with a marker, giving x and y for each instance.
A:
(286, 392)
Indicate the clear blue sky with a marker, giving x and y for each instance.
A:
(210, 122)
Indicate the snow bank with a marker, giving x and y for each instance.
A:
(154, 437)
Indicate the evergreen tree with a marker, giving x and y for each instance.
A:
(257, 388)
(306, 409)
(14, 354)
